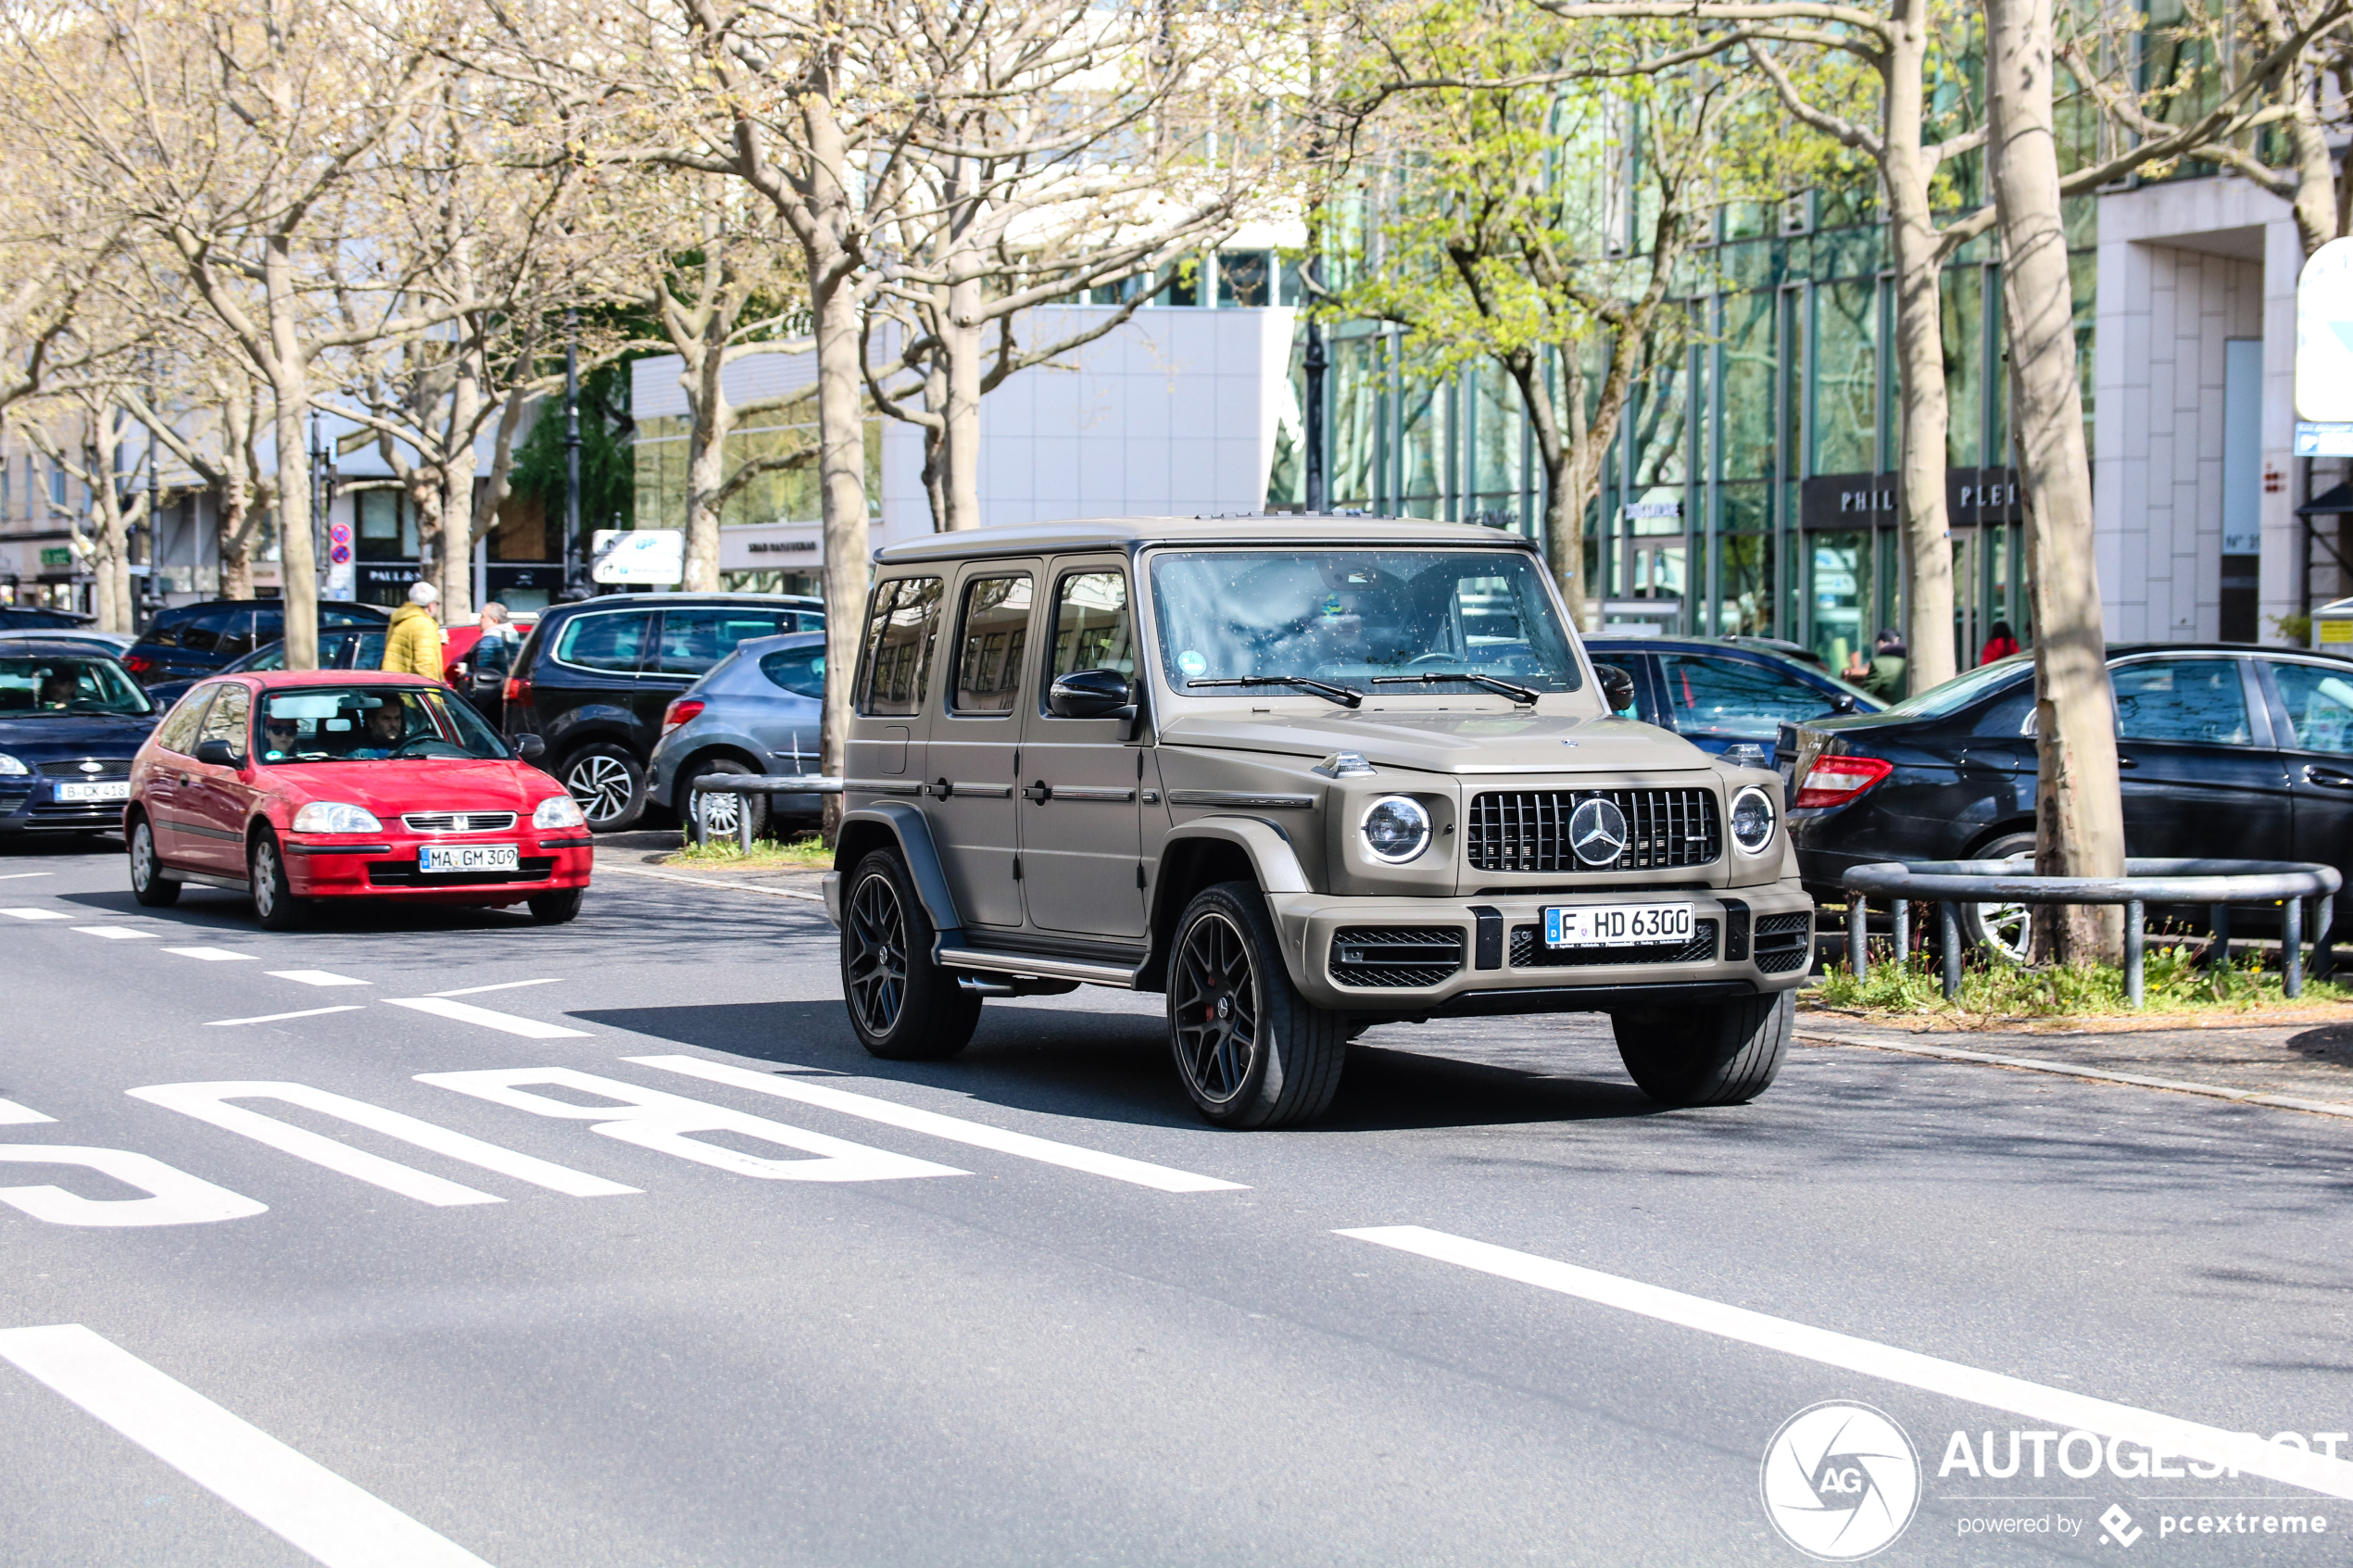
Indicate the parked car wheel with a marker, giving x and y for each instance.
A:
(609, 784)
(273, 899)
(1721, 1053)
(1253, 1053)
(726, 810)
(902, 1006)
(148, 885)
(2005, 931)
(557, 907)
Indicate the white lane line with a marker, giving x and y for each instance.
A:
(464, 1012)
(722, 887)
(19, 876)
(281, 1017)
(502, 986)
(209, 955)
(114, 932)
(309, 1506)
(14, 1115)
(979, 1135)
(39, 915)
(2165, 1434)
(315, 977)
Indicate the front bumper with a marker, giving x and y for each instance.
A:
(1420, 956)
(385, 867)
(31, 805)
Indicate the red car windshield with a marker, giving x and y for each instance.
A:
(371, 724)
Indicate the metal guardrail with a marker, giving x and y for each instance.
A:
(2216, 883)
(750, 784)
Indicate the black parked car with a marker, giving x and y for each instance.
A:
(2225, 751)
(72, 719)
(337, 650)
(201, 639)
(17, 616)
(1720, 693)
(594, 677)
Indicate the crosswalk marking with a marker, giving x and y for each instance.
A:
(39, 915)
(114, 932)
(314, 977)
(281, 1017)
(210, 954)
(299, 1500)
(977, 1134)
(19, 876)
(502, 986)
(507, 1022)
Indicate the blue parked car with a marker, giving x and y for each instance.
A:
(72, 719)
(1720, 693)
(756, 712)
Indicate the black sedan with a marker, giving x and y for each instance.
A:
(71, 720)
(2225, 751)
(1721, 693)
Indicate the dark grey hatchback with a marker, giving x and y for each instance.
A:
(594, 677)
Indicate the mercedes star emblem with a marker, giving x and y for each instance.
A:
(1597, 832)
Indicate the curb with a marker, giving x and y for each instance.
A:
(2136, 1080)
(706, 882)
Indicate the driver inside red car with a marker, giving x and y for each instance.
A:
(386, 726)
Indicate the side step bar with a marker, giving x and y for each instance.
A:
(995, 962)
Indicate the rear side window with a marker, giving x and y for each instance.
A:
(330, 616)
(613, 642)
(694, 640)
(165, 632)
(204, 633)
(899, 645)
(993, 634)
(2197, 700)
(178, 732)
(798, 670)
(1712, 696)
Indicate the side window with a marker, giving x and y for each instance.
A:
(899, 645)
(2198, 700)
(178, 733)
(249, 630)
(614, 641)
(226, 719)
(2319, 706)
(694, 640)
(1091, 627)
(330, 616)
(165, 632)
(993, 633)
(204, 633)
(798, 670)
(1707, 695)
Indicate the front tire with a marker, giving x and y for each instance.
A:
(148, 885)
(1253, 1053)
(609, 784)
(902, 1006)
(273, 899)
(1720, 1053)
(557, 907)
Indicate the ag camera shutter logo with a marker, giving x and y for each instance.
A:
(1840, 1481)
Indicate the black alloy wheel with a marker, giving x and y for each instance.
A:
(902, 1006)
(1213, 1008)
(609, 784)
(1253, 1053)
(148, 885)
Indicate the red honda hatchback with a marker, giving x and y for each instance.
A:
(302, 785)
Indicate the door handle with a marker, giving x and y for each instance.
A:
(941, 789)
(2327, 778)
(186, 780)
(1038, 793)
(2123, 761)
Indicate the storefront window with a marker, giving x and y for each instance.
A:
(1846, 378)
(1839, 565)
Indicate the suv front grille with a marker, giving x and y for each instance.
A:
(1785, 942)
(1527, 830)
(1396, 955)
(1529, 952)
(460, 822)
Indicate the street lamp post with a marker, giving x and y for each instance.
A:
(574, 587)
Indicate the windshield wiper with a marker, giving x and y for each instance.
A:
(1519, 693)
(1346, 697)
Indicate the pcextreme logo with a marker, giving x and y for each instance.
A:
(1841, 1481)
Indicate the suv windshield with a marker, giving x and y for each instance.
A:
(1348, 616)
(48, 684)
(372, 724)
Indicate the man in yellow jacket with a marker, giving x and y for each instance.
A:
(413, 645)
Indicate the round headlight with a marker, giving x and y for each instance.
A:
(335, 816)
(1753, 818)
(1396, 829)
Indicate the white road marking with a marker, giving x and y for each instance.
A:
(114, 932)
(311, 1507)
(315, 977)
(282, 1017)
(209, 955)
(19, 876)
(208, 1102)
(722, 887)
(979, 1135)
(2165, 1434)
(39, 915)
(651, 1118)
(14, 1115)
(502, 986)
(174, 1197)
(465, 1013)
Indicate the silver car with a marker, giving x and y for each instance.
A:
(755, 712)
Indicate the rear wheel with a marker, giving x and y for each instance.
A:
(902, 1006)
(2005, 931)
(1253, 1053)
(608, 783)
(726, 811)
(274, 898)
(1720, 1053)
(148, 885)
(557, 907)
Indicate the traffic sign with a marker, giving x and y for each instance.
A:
(338, 553)
(643, 555)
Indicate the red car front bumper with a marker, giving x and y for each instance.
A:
(384, 866)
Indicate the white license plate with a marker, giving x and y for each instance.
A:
(1618, 925)
(469, 857)
(117, 790)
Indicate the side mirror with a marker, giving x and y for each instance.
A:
(1618, 686)
(531, 748)
(218, 753)
(1842, 703)
(1091, 694)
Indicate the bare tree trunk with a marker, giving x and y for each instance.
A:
(290, 381)
(961, 347)
(713, 420)
(2079, 817)
(237, 550)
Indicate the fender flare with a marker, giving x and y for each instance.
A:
(1267, 845)
(908, 825)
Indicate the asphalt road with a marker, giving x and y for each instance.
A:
(1573, 1332)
